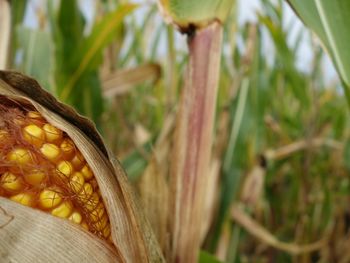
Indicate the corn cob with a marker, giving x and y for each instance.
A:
(41, 167)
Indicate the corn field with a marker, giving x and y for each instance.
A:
(171, 131)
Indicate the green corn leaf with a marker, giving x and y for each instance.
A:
(93, 46)
(205, 257)
(330, 20)
(37, 50)
(186, 13)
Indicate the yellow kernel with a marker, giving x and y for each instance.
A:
(78, 160)
(49, 198)
(65, 168)
(92, 202)
(52, 133)
(20, 156)
(35, 177)
(76, 182)
(85, 225)
(76, 217)
(11, 182)
(19, 121)
(85, 193)
(50, 151)
(34, 115)
(26, 199)
(98, 213)
(63, 210)
(107, 231)
(101, 224)
(94, 184)
(34, 135)
(68, 149)
(3, 135)
(87, 173)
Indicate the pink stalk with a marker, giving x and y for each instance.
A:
(193, 143)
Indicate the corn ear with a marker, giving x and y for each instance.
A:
(187, 14)
(131, 239)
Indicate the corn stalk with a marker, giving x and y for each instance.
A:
(5, 26)
(202, 22)
(193, 142)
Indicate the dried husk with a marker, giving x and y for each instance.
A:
(131, 235)
(29, 235)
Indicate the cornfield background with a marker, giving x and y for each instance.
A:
(281, 155)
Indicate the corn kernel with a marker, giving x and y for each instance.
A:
(50, 151)
(49, 199)
(87, 173)
(34, 156)
(52, 133)
(4, 135)
(94, 184)
(20, 156)
(68, 149)
(26, 199)
(78, 160)
(92, 202)
(98, 213)
(65, 168)
(85, 193)
(19, 121)
(76, 182)
(84, 225)
(34, 135)
(34, 115)
(11, 182)
(76, 217)
(35, 177)
(63, 210)
(107, 231)
(101, 224)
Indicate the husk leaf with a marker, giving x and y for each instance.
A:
(28, 235)
(130, 232)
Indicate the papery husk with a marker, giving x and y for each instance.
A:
(153, 187)
(132, 237)
(28, 235)
(154, 194)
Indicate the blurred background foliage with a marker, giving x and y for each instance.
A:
(281, 149)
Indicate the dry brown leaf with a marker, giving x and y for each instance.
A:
(153, 190)
(258, 231)
(122, 81)
(253, 186)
